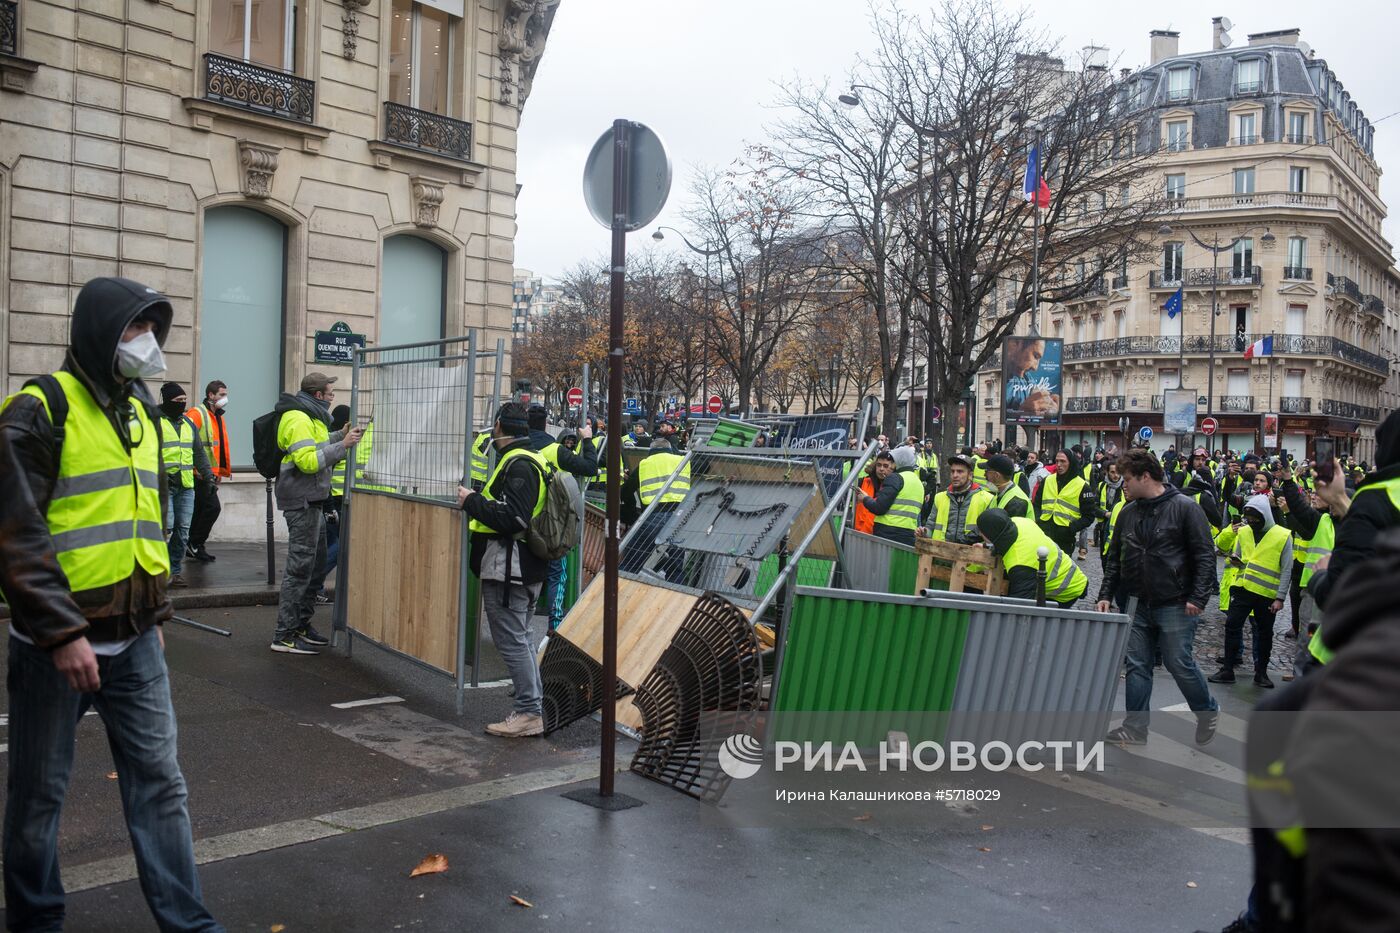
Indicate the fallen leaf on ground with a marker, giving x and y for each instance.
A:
(863, 818)
(985, 828)
(983, 849)
(431, 865)
(1190, 884)
(276, 927)
(520, 901)
(111, 775)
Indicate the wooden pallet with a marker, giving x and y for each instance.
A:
(948, 562)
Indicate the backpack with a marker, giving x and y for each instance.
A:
(267, 456)
(555, 531)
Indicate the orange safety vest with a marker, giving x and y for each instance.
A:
(865, 519)
(215, 440)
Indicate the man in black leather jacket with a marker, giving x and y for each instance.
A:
(1163, 555)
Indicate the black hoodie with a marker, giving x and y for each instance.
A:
(1371, 513)
(1088, 503)
(41, 604)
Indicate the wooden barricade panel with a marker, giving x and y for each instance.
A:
(403, 576)
(946, 561)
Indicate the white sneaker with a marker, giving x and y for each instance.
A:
(544, 642)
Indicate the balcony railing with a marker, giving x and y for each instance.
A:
(1094, 289)
(1284, 345)
(431, 132)
(989, 403)
(263, 90)
(1202, 278)
(1295, 405)
(1115, 403)
(9, 27)
(1373, 304)
(1298, 273)
(1178, 93)
(1088, 403)
(1227, 202)
(1235, 403)
(1180, 144)
(1298, 139)
(1120, 281)
(1248, 87)
(1348, 410)
(1341, 285)
(1244, 140)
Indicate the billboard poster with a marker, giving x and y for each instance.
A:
(820, 432)
(1269, 429)
(1032, 380)
(1179, 411)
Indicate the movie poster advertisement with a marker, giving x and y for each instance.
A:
(1268, 427)
(1032, 378)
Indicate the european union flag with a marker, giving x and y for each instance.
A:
(1173, 305)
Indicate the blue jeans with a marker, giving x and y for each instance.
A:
(179, 509)
(554, 591)
(1174, 631)
(134, 703)
(332, 549)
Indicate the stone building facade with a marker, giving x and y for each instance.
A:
(1274, 206)
(274, 166)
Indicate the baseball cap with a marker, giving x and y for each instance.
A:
(959, 458)
(316, 382)
(1002, 464)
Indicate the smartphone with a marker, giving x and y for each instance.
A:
(1325, 463)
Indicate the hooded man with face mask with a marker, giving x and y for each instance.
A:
(83, 565)
(1261, 555)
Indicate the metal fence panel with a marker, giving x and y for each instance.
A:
(870, 562)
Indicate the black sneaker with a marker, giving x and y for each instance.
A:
(313, 637)
(1125, 736)
(1205, 726)
(293, 644)
(323, 598)
(189, 552)
(1261, 679)
(1226, 675)
(205, 556)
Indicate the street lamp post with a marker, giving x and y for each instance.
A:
(658, 236)
(1215, 250)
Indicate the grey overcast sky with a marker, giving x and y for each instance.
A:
(702, 74)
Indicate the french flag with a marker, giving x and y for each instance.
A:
(1261, 347)
(1035, 190)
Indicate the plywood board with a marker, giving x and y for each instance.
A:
(647, 618)
(404, 562)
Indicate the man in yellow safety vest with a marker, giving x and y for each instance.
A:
(1064, 503)
(185, 461)
(1017, 541)
(83, 566)
(1261, 556)
(640, 488)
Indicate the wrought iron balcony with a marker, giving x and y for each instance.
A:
(1115, 403)
(1235, 403)
(1120, 281)
(431, 132)
(1176, 145)
(1298, 273)
(1372, 304)
(1088, 403)
(1284, 345)
(1178, 93)
(1298, 139)
(1093, 290)
(262, 90)
(1158, 402)
(9, 27)
(989, 403)
(1224, 277)
(1348, 410)
(1244, 140)
(1345, 287)
(1295, 405)
(1249, 87)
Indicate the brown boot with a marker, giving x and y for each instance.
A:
(517, 726)
(176, 581)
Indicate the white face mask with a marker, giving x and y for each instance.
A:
(140, 357)
(221, 403)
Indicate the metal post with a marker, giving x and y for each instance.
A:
(933, 296)
(341, 610)
(271, 545)
(622, 152)
(1035, 250)
(1214, 311)
(464, 534)
(1042, 553)
(860, 440)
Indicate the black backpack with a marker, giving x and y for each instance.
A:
(267, 456)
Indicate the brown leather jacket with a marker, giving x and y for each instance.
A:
(41, 604)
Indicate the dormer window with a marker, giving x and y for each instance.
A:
(1249, 76)
(1179, 84)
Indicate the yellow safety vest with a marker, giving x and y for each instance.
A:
(1061, 505)
(338, 479)
(1390, 487)
(177, 451)
(600, 450)
(942, 505)
(1012, 493)
(104, 516)
(653, 472)
(362, 452)
(478, 474)
(477, 527)
(979, 470)
(1112, 525)
(929, 462)
(1064, 581)
(1261, 573)
(904, 510)
(1310, 550)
